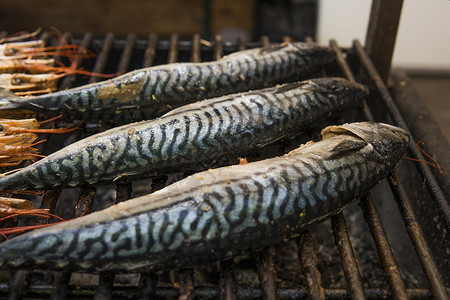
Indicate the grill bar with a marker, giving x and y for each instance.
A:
(87, 40)
(416, 235)
(102, 58)
(266, 272)
(396, 284)
(348, 258)
(430, 181)
(308, 260)
(227, 285)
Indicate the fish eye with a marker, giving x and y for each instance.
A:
(16, 81)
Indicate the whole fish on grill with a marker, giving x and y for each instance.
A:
(220, 213)
(148, 93)
(193, 137)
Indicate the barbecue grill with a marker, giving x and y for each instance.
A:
(391, 243)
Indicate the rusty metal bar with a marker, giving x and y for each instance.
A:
(147, 286)
(19, 285)
(227, 282)
(349, 263)
(429, 180)
(85, 200)
(241, 43)
(266, 272)
(183, 281)
(173, 52)
(104, 288)
(61, 285)
(349, 75)
(69, 80)
(127, 53)
(382, 32)
(218, 47)
(150, 51)
(385, 255)
(308, 260)
(265, 41)
(196, 56)
(102, 58)
(418, 239)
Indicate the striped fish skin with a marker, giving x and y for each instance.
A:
(220, 213)
(194, 137)
(147, 93)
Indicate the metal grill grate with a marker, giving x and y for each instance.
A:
(125, 55)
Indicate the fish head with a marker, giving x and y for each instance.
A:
(383, 143)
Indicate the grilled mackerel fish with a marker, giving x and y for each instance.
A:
(220, 213)
(148, 93)
(194, 137)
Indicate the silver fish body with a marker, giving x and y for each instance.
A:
(148, 93)
(220, 213)
(194, 137)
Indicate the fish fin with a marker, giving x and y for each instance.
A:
(346, 146)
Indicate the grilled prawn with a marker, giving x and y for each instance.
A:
(148, 93)
(191, 138)
(220, 213)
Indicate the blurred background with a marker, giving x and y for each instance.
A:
(422, 48)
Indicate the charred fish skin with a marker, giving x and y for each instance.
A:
(194, 137)
(148, 93)
(220, 213)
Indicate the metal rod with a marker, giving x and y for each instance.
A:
(349, 75)
(429, 180)
(61, 286)
(127, 53)
(195, 56)
(183, 281)
(227, 282)
(85, 200)
(308, 260)
(241, 43)
(150, 51)
(385, 255)
(218, 47)
(173, 52)
(265, 41)
(105, 286)
(382, 32)
(69, 80)
(418, 239)
(19, 285)
(102, 58)
(349, 263)
(147, 286)
(266, 272)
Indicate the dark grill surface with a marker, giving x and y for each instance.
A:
(354, 255)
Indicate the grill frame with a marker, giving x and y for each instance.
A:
(228, 289)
